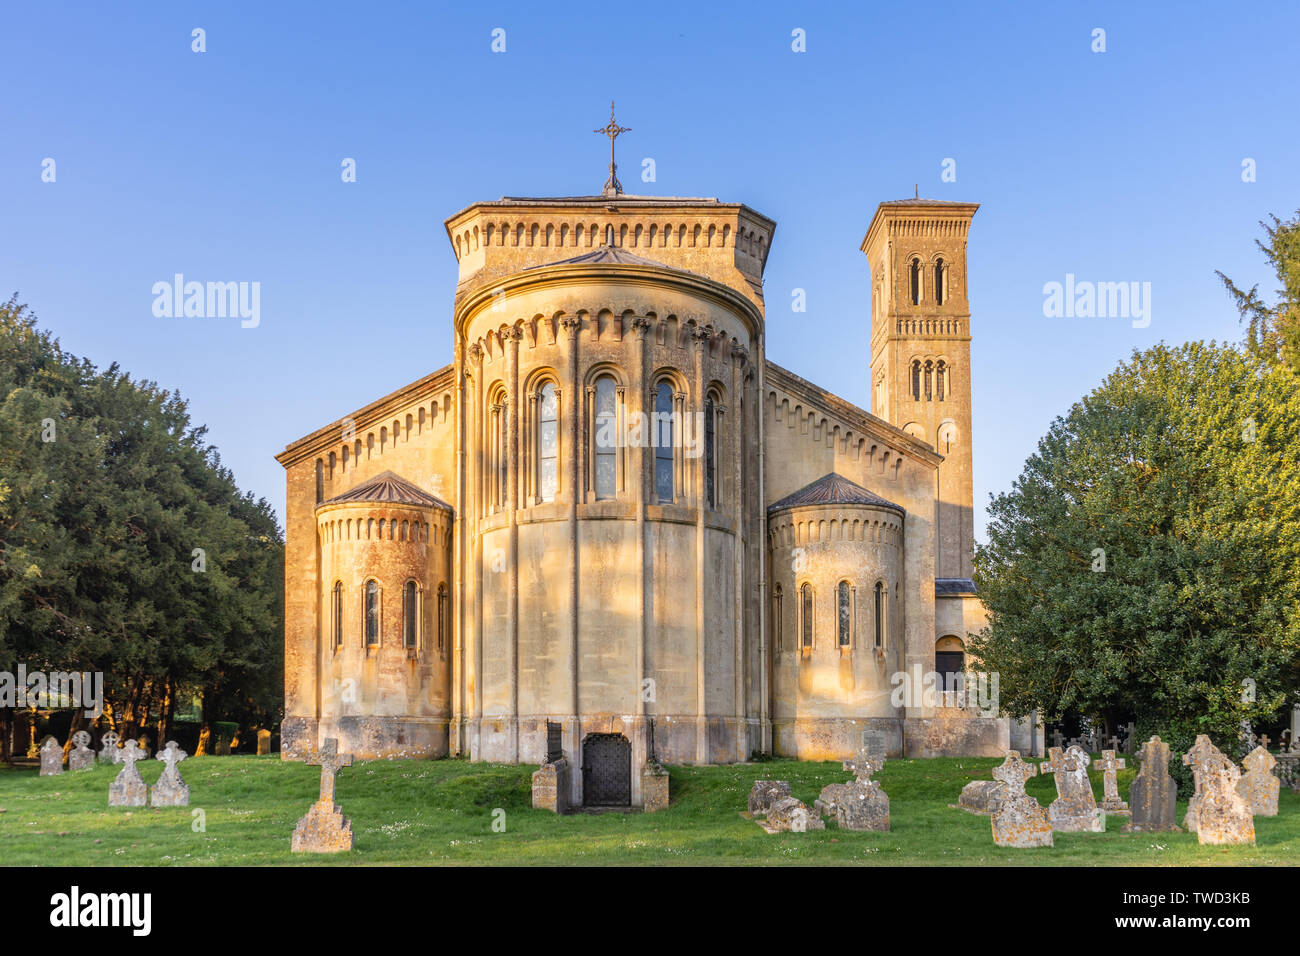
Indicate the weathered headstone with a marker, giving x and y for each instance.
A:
(1075, 808)
(1259, 786)
(1109, 766)
(981, 796)
(654, 787)
(765, 793)
(863, 805)
(1058, 738)
(789, 814)
(324, 829)
(263, 742)
(1020, 821)
(109, 751)
(1217, 813)
(128, 790)
(81, 757)
(51, 757)
(1154, 793)
(170, 790)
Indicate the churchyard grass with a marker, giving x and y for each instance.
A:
(441, 812)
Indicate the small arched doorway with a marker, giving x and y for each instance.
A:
(606, 771)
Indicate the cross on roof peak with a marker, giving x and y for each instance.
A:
(611, 129)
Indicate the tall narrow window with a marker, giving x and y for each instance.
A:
(606, 437)
(336, 621)
(442, 616)
(663, 437)
(929, 380)
(372, 612)
(548, 443)
(844, 605)
(916, 281)
(916, 381)
(940, 383)
(806, 615)
(409, 599)
(710, 458)
(777, 641)
(880, 615)
(940, 282)
(502, 455)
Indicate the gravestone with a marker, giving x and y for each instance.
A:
(263, 742)
(109, 751)
(81, 757)
(324, 829)
(1075, 809)
(791, 815)
(1058, 738)
(981, 796)
(1217, 813)
(170, 790)
(1109, 765)
(51, 757)
(128, 790)
(765, 793)
(552, 781)
(1154, 793)
(654, 787)
(1259, 786)
(863, 805)
(1020, 821)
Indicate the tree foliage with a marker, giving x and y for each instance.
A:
(1273, 330)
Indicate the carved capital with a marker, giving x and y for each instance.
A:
(739, 354)
(571, 324)
(701, 333)
(514, 333)
(475, 352)
(640, 325)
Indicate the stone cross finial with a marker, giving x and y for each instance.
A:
(171, 755)
(1263, 741)
(1109, 765)
(1058, 738)
(863, 765)
(81, 739)
(109, 751)
(612, 186)
(330, 762)
(1014, 772)
(130, 754)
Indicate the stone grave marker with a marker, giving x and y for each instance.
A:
(765, 793)
(791, 815)
(1020, 821)
(981, 796)
(1154, 793)
(1109, 765)
(109, 751)
(263, 742)
(81, 756)
(1217, 813)
(1259, 786)
(51, 757)
(863, 805)
(324, 829)
(1075, 808)
(128, 790)
(171, 789)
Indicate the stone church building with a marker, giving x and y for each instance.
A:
(615, 512)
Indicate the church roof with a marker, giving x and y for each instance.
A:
(923, 202)
(388, 487)
(946, 586)
(833, 489)
(606, 254)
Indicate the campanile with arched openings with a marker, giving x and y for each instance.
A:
(920, 351)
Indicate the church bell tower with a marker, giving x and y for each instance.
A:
(920, 351)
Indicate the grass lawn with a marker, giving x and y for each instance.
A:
(431, 812)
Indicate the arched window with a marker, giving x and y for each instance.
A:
(548, 442)
(806, 615)
(777, 641)
(916, 281)
(710, 455)
(410, 599)
(929, 380)
(844, 611)
(442, 616)
(605, 437)
(940, 380)
(916, 381)
(663, 439)
(372, 612)
(497, 458)
(336, 619)
(880, 615)
(949, 660)
(940, 282)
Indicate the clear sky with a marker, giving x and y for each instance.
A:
(225, 166)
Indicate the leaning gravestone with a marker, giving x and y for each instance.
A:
(51, 757)
(765, 793)
(1075, 808)
(81, 757)
(1020, 821)
(1259, 787)
(1109, 765)
(791, 815)
(1154, 793)
(109, 751)
(171, 789)
(324, 829)
(1217, 813)
(981, 796)
(864, 805)
(128, 790)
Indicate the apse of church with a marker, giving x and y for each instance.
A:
(613, 513)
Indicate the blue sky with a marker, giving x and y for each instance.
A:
(225, 165)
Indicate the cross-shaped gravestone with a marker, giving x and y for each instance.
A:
(1109, 766)
(1075, 808)
(51, 757)
(863, 765)
(330, 762)
(1058, 738)
(1019, 820)
(1014, 772)
(81, 757)
(1114, 742)
(128, 790)
(171, 789)
(1263, 741)
(109, 752)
